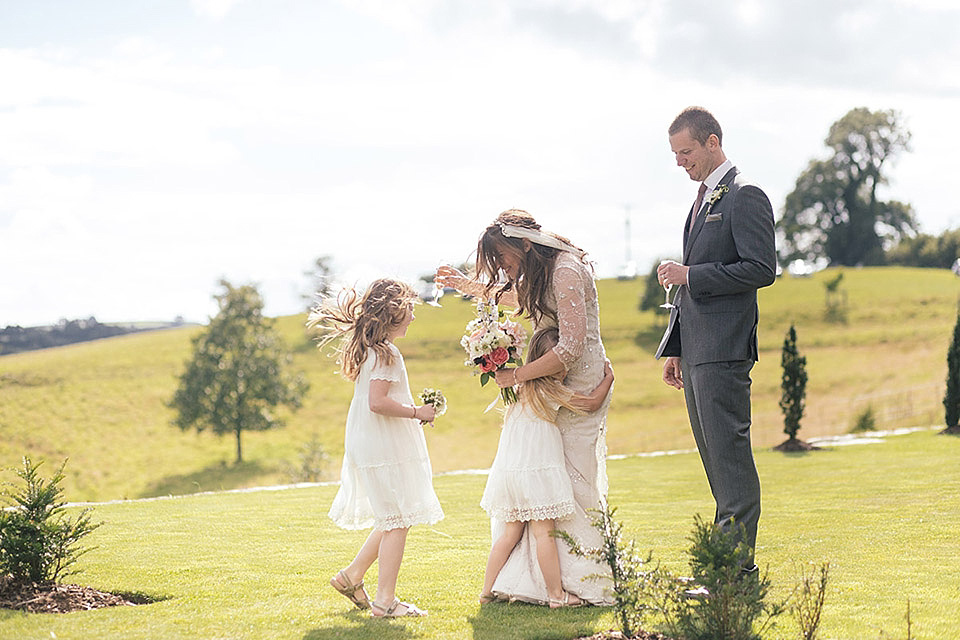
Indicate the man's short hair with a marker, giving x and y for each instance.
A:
(700, 122)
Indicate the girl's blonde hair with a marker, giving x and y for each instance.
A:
(543, 395)
(363, 322)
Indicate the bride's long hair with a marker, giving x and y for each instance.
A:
(544, 395)
(536, 265)
(362, 322)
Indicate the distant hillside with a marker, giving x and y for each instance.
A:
(103, 404)
(14, 339)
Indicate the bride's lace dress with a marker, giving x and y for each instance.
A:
(574, 295)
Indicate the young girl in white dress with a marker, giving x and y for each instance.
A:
(528, 484)
(386, 480)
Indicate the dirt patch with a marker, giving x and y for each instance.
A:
(61, 598)
(794, 445)
(617, 635)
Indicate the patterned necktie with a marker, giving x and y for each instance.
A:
(697, 204)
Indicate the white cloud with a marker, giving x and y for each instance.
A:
(214, 9)
(136, 173)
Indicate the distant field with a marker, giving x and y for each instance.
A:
(103, 403)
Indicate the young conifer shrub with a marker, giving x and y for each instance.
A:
(951, 398)
(39, 543)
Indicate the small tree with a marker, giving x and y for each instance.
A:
(634, 586)
(951, 399)
(793, 395)
(38, 542)
(321, 280)
(835, 300)
(238, 374)
(654, 294)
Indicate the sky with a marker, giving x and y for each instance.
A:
(149, 148)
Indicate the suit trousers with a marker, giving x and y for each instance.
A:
(718, 404)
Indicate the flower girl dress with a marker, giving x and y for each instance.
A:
(528, 479)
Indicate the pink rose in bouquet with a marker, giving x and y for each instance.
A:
(492, 342)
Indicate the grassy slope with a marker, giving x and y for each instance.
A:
(255, 565)
(102, 404)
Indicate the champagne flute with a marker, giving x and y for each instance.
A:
(667, 288)
(437, 288)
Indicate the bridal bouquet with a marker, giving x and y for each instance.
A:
(434, 397)
(492, 342)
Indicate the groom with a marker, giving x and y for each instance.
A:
(711, 337)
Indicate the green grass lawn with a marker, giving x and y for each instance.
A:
(103, 405)
(256, 564)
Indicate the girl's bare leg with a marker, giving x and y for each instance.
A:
(499, 553)
(392, 543)
(365, 557)
(548, 558)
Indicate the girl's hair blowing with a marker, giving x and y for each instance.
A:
(362, 322)
(543, 395)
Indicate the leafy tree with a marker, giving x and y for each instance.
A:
(925, 250)
(834, 211)
(951, 399)
(238, 374)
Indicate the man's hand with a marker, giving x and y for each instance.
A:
(671, 273)
(671, 373)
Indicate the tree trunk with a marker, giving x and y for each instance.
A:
(239, 448)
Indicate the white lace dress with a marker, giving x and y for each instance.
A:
(386, 481)
(528, 479)
(573, 293)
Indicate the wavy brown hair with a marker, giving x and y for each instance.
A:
(543, 395)
(363, 322)
(536, 265)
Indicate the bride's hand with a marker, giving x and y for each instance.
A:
(448, 276)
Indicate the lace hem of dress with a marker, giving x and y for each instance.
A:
(525, 514)
(389, 377)
(430, 516)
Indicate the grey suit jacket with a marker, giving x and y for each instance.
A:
(731, 253)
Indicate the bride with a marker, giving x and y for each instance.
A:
(549, 281)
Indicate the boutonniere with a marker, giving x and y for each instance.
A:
(715, 195)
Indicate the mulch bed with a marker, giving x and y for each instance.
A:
(794, 445)
(60, 598)
(617, 635)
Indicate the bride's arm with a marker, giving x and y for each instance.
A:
(451, 277)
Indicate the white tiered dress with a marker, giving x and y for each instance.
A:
(386, 481)
(528, 479)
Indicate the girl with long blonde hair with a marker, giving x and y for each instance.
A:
(386, 481)
(528, 486)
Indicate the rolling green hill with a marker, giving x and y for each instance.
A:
(102, 404)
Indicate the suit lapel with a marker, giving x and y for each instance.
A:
(691, 236)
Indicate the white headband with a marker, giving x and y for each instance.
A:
(539, 237)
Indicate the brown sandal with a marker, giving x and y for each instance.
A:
(341, 582)
(391, 611)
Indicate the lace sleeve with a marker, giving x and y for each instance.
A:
(381, 371)
(570, 291)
